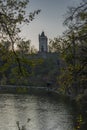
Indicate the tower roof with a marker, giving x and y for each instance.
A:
(42, 34)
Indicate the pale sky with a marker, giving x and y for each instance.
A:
(50, 19)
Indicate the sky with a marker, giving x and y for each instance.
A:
(50, 19)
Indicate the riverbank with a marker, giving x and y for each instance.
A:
(19, 89)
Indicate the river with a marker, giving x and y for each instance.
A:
(36, 112)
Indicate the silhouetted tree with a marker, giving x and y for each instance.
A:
(12, 14)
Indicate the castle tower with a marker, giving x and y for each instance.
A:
(43, 43)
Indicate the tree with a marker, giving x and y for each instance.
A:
(12, 14)
(55, 45)
(33, 50)
(77, 24)
(76, 21)
(24, 47)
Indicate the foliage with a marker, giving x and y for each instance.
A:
(23, 47)
(72, 48)
(21, 90)
(12, 14)
(75, 42)
(54, 45)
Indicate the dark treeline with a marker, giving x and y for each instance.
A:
(36, 70)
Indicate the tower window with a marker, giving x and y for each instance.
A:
(42, 48)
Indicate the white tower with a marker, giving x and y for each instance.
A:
(43, 43)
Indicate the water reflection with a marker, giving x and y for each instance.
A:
(44, 112)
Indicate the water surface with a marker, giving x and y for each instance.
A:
(45, 112)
